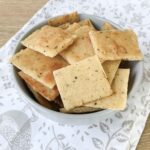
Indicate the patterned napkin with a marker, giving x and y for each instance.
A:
(23, 128)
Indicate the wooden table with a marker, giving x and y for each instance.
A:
(15, 13)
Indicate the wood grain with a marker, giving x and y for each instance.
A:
(15, 13)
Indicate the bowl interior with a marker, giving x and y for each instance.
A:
(136, 67)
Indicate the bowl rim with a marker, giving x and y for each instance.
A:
(36, 105)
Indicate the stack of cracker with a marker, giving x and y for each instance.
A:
(71, 58)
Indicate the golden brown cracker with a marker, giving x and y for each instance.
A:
(116, 45)
(67, 18)
(82, 82)
(47, 93)
(82, 47)
(49, 40)
(41, 100)
(117, 101)
(38, 66)
(107, 26)
(78, 110)
(110, 68)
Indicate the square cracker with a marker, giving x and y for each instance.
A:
(107, 26)
(82, 47)
(82, 82)
(116, 45)
(47, 93)
(117, 101)
(110, 68)
(41, 100)
(49, 40)
(75, 26)
(81, 109)
(38, 66)
(64, 26)
(72, 28)
(67, 18)
(86, 22)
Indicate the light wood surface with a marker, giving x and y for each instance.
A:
(15, 13)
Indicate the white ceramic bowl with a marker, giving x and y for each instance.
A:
(77, 119)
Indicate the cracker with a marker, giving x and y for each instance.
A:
(72, 28)
(81, 109)
(38, 66)
(82, 82)
(86, 22)
(64, 26)
(116, 45)
(47, 93)
(41, 100)
(107, 26)
(49, 40)
(83, 31)
(117, 101)
(67, 18)
(82, 47)
(75, 26)
(110, 68)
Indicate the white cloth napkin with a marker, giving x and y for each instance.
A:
(23, 128)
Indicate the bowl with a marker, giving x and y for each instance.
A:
(77, 119)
